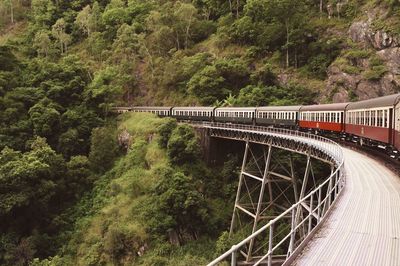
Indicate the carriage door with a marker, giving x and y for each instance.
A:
(397, 126)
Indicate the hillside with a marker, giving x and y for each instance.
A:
(71, 194)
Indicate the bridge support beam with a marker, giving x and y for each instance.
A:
(268, 184)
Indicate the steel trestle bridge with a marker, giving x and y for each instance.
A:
(271, 242)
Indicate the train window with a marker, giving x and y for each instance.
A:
(379, 119)
(373, 118)
(358, 118)
(385, 118)
(397, 118)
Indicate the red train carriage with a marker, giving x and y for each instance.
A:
(374, 120)
(327, 117)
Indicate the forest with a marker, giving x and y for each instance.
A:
(73, 193)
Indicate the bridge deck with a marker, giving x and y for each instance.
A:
(364, 227)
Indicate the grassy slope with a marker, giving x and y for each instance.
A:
(113, 211)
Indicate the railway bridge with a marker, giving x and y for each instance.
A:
(349, 217)
(290, 212)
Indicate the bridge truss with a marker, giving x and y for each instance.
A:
(276, 209)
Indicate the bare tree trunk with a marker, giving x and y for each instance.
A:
(230, 5)
(12, 11)
(320, 6)
(177, 40)
(187, 32)
(62, 47)
(237, 8)
(287, 44)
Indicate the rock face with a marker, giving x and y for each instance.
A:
(124, 139)
(342, 87)
(362, 32)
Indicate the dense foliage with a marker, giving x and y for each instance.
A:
(66, 194)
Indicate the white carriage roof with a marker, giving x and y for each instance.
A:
(384, 101)
(194, 108)
(279, 108)
(236, 109)
(150, 108)
(325, 107)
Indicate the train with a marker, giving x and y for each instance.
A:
(374, 122)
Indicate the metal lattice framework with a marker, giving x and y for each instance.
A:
(264, 185)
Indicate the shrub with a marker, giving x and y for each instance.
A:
(165, 131)
(183, 145)
(375, 73)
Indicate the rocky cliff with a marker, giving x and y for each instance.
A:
(369, 66)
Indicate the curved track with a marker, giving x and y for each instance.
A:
(364, 226)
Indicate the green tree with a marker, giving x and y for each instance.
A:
(45, 118)
(43, 12)
(165, 131)
(84, 20)
(58, 31)
(183, 145)
(105, 87)
(187, 17)
(28, 181)
(126, 45)
(79, 177)
(217, 81)
(176, 206)
(103, 149)
(42, 43)
(290, 14)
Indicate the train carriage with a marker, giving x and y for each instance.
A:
(193, 113)
(160, 111)
(243, 115)
(396, 131)
(327, 117)
(374, 119)
(281, 116)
